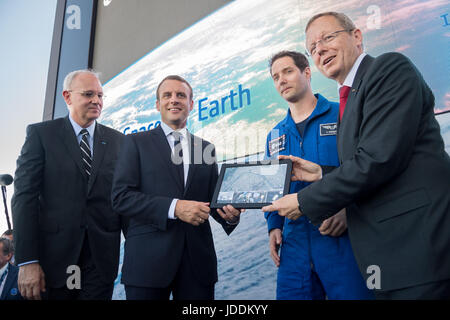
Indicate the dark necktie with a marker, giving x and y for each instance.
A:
(86, 152)
(178, 152)
(343, 96)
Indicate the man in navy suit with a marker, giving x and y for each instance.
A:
(164, 182)
(8, 272)
(61, 206)
(394, 172)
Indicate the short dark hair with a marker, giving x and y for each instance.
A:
(174, 77)
(7, 246)
(300, 59)
(343, 20)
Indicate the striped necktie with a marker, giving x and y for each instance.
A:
(86, 151)
(178, 151)
(3, 277)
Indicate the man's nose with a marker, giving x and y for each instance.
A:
(96, 99)
(174, 100)
(320, 47)
(282, 80)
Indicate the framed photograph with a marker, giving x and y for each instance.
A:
(252, 185)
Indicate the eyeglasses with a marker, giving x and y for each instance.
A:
(90, 94)
(325, 39)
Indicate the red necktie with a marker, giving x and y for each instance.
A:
(343, 96)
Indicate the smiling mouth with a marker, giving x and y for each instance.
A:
(327, 60)
(282, 91)
(174, 109)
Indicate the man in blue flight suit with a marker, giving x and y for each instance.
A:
(314, 263)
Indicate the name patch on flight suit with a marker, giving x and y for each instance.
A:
(328, 129)
(276, 145)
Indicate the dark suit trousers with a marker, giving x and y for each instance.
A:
(184, 287)
(92, 286)
(439, 290)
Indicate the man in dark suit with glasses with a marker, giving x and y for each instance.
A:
(66, 234)
(394, 173)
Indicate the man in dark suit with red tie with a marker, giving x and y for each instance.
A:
(164, 182)
(394, 175)
(64, 225)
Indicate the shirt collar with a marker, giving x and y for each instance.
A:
(352, 74)
(3, 270)
(77, 128)
(168, 130)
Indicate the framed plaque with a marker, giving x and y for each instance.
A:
(252, 185)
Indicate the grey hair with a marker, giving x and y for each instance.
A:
(343, 20)
(72, 75)
(7, 246)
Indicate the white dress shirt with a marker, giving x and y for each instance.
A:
(77, 129)
(352, 74)
(186, 159)
(2, 271)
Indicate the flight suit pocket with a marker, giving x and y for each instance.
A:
(327, 150)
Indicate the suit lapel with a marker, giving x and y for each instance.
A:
(71, 143)
(166, 153)
(100, 146)
(8, 282)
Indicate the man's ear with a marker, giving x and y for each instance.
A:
(358, 37)
(66, 96)
(307, 72)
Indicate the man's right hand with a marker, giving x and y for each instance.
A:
(303, 170)
(31, 281)
(274, 245)
(192, 212)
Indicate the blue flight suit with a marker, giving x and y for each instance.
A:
(312, 266)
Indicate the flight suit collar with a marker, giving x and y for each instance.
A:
(322, 106)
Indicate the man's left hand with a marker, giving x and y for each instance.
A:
(286, 207)
(335, 225)
(230, 214)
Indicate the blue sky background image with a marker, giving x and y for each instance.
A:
(215, 60)
(26, 30)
